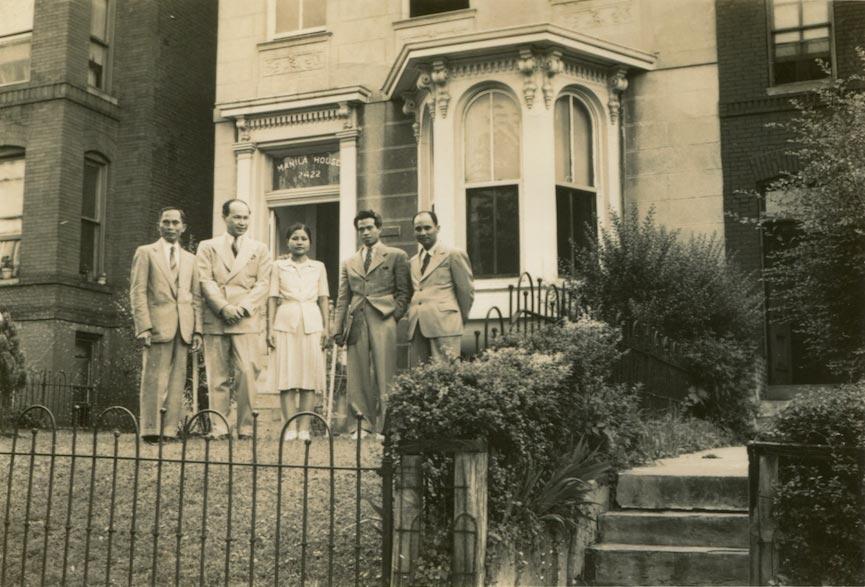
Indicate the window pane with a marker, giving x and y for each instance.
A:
(583, 173)
(506, 138)
(96, 65)
(477, 143)
(87, 252)
(287, 15)
(816, 48)
(576, 227)
(303, 170)
(493, 230)
(314, 13)
(562, 122)
(11, 187)
(424, 7)
(819, 33)
(99, 19)
(815, 12)
(786, 14)
(16, 16)
(15, 61)
(90, 193)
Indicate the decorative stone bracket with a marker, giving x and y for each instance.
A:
(618, 83)
(527, 65)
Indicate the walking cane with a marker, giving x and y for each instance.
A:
(332, 383)
(194, 383)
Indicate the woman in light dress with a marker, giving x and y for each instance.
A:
(297, 327)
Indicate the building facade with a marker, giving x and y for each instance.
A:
(518, 121)
(767, 54)
(104, 119)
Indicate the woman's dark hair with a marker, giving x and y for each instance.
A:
(298, 226)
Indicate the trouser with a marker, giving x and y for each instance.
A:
(163, 377)
(438, 348)
(224, 353)
(371, 367)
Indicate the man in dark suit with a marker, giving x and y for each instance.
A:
(373, 296)
(235, 279)
(443, 294)
(166, 311)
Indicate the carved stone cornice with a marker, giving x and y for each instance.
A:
(341, 111)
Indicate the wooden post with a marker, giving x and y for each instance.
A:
(407, 519)
(470, 518)
(767, 559)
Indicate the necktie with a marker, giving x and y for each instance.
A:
(425, 262)
(234, 247)
(172, 263)
(367, 260)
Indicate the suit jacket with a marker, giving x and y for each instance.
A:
(443, 295)
(243, 281)
(158, 303)
(385, 285)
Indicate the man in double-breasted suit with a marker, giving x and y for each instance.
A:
(164, 293)
(235, 279)
(373, 296)
(443, 292)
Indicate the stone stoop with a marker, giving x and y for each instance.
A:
(680, 521)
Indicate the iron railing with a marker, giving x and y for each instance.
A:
(99, 505)
(56, 391)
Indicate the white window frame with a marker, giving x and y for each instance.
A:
(95, 159)
(20, 36)
(271, 23)
(771, 31)
(406, 10)
(108, 45)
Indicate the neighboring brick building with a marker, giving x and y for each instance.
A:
(766, 53)
(105, 117)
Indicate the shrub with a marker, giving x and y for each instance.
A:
(13, 374)
(671, 434)
(532, 404)
(821, 527)
(691, 294)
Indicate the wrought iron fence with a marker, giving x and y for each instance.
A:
(769, 464)
(649, 358)
(56, 391)
(99, 505)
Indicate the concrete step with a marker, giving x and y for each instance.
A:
(628, 564)
(715, 480)
(675, 528)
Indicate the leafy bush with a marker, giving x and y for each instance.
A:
(821, 525)
(690, 293)
(532, 403)
(13, 373)
(671, 434)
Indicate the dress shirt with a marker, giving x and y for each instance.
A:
(422, 251)
(166, 250)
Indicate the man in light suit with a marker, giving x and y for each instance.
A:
(373, 296)
(164, 293)
(235, 279)
(443, 294)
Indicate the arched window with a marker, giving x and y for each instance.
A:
(576, 210)
(492, 172)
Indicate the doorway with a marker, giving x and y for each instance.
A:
(323, 221)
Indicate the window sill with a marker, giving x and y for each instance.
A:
(419, 21)
(797, 87)
(10, 281)
(297, 38)
(102, 94)
(13, 84)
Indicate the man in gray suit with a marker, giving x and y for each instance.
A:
(443, 294)
(373, 296)
(164, 293)
(235, 279)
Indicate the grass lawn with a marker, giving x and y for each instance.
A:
(185, 536)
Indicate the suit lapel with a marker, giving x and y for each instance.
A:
(186, 264)
(378, 257)
(223, 250)
(159, 253)
(414, 267)
(436, 260)
(355, 263)
(242, 259)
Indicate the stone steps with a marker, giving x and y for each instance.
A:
(680, 521)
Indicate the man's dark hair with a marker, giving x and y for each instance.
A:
(364, 214)
(432, 215)
(170, 208)
(226, 206)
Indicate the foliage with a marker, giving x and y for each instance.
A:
(818, 280)
(670, 434)
(532, 400)
(689, 292)
(13, 373)
(821, 525)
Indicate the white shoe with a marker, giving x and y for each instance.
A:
(290, 434)
(379, 437)
(304, 435)
(353, 435)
